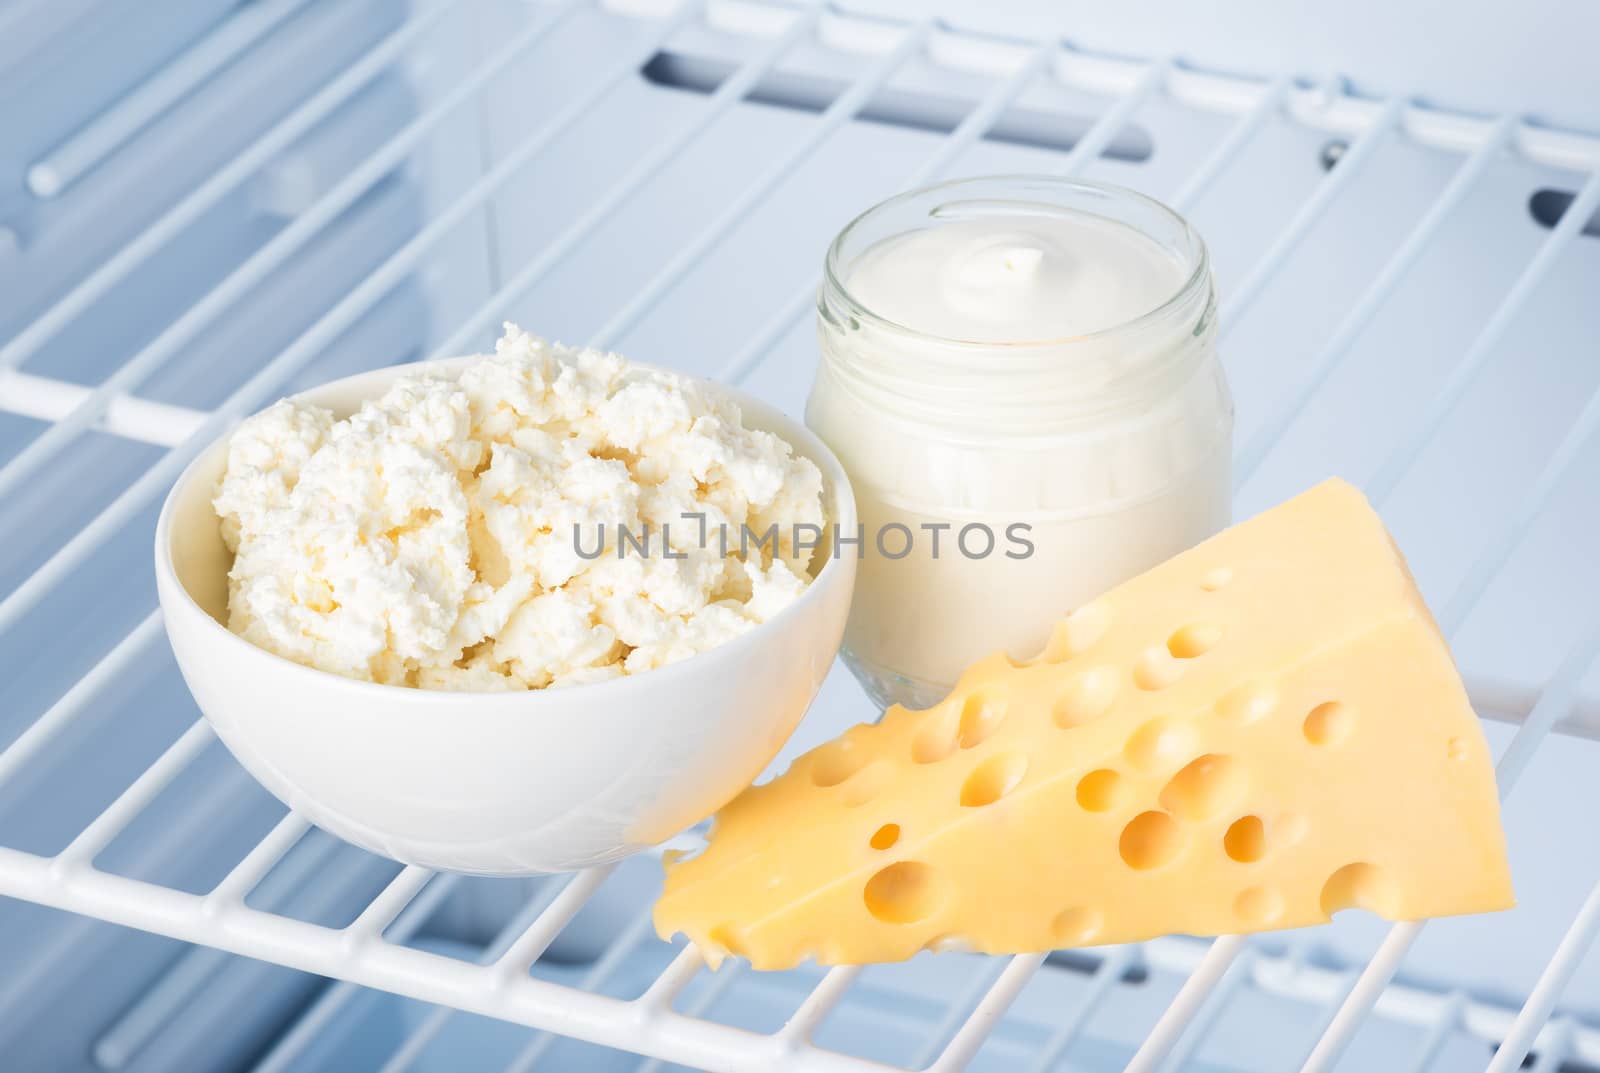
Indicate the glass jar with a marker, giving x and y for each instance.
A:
(1029, 476)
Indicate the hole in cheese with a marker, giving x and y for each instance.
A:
(865, 784)
(1076, 926)
(1360, 886)
(903, 893)
(1161, 744)
(1258, 906)
(1216, 579)
(1246, 839)
(1329, 724)
(993, 779)
(1195, 639)
(1150, 840)
(1249, 702)
(936, 740)
(1086, 697)
(1289, 828)
(1099, 791)
(835, 762)
(885, 836)
(944, 731)
(979, 719)
(948, 944)
(1204, 788)
(1077, 633)
(1156, 668)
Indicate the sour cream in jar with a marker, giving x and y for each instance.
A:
(1020, 375)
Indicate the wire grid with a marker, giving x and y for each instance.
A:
(366, 952)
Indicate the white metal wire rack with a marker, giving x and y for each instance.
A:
(369, 951)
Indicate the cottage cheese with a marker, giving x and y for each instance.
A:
(465, 533)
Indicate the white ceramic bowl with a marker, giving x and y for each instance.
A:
(501, 783)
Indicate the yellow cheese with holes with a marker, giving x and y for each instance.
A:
(1256, 734)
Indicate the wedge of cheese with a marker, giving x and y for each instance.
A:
(1256, 734)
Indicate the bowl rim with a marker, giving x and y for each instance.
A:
(806, 443)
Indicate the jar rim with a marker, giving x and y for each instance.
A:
(1198, 259)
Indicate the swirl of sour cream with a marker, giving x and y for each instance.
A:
(1015, 279)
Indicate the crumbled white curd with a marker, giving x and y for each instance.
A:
(463, 532)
